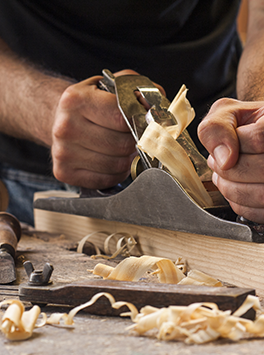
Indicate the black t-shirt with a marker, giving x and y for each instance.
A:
(172, 42)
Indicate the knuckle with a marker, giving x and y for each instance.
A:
(239, 210)
(223, 102)
(70, 98)
(258, 141)
(63, 128)
(59, 173)
(64, 173)
(60, 154)
(63, 131)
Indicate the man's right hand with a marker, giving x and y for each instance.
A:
(92, 145)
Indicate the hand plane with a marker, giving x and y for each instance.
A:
(154, 198)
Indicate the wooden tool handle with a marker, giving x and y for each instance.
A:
(4, 197)
(10, 232)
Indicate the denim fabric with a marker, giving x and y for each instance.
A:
(21, 187)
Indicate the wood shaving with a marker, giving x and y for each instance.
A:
(18, 324)
(182, 111)
(133, 268)
(124, 243)
(197, 323)
(195, 277)
(160, 142)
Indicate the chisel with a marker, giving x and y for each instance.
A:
(10, 232)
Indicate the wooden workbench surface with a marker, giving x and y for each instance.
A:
(92, 334)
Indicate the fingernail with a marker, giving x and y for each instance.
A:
(221, 154)
(215, 178)
(210, 162)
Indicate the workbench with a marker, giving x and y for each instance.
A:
(91, 334)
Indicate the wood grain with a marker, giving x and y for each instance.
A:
(234, 262)
(139, 294)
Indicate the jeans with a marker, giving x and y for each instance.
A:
(21, 187)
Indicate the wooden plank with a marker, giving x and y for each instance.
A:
(139, 293)
(234, 262)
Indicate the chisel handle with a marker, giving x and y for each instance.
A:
(10, 232)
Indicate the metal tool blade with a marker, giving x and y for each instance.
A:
(7, 268)
(142, 203)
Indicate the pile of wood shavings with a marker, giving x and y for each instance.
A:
(197, 323)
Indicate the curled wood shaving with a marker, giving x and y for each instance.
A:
(158, 143)
(18, 324)
(87, 238)
(133, 268)
(128, 244)
(195, 277)
(123, 245)
(182, 111)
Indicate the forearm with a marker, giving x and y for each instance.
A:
(250, 79)
(28, 98)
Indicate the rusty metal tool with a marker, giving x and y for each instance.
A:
(10, 232)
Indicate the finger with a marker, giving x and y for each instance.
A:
(90, 169)
(75, 157)
(88, 135)
(91, 102)
(245, 199)
(132, 72)
(251, 137)
(217, 132)
(126, 72)
(252, 214)
(250, 168)
(107, 141)
(90, 179)
(244, 194)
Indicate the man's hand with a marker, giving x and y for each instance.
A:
(233, 134)
(92, 145)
